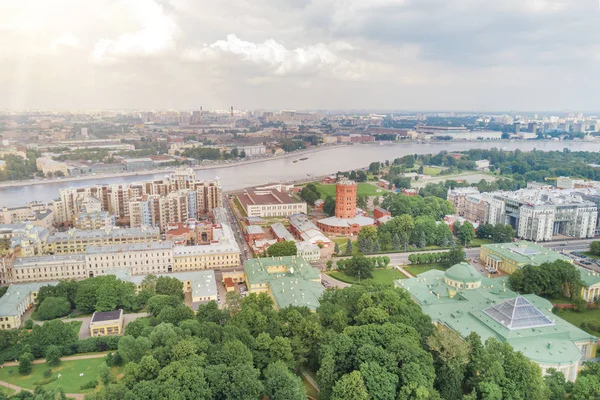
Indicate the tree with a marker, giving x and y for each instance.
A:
(281, 249)
(169, 286)
(362, 202)
(336, 248)
(556, 384)
(455, 256)
(53, 307)
(360, 266)
(366, 239)
(329, 264)
(132, 350)
(53, 354)
(329, 206)
(282, 384)
(595, 248)
(348, 247)
(451, 355)
(502, 233)
(380, 383)
(374, 167)
(350, 387)
(155, 304)
(466, 233)
(25, 363)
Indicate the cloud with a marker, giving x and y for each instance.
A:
(280, 60)
(65, 40)
(157, 34)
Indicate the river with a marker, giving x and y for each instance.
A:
(320, 163)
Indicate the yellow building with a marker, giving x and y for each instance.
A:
(508, 257)
(77, 241)
(16, 301)
(106, 323)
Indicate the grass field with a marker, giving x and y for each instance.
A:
(433, 171)
(240, 207)
(576, 318)
(478, 242)
(364, 189)
(420, 268)
(70, 380)
(386, 276)
(6, 391)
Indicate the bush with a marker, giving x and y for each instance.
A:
(53, 354)
(113, 359)
(45, 381)
(25, 363)
(47, 373)
(53, 307)
(89, 385)
(28, 324)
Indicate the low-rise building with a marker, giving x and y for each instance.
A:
(140, 258)
(308, 251)
(508, 257)
(463, 300)
(138, 164)
(17, 300)
(107, 323)
(290, 281)
(379, 212)
(281, 233)
(254, 232)
(223, 252)
(590, 290)
(270, 203)
(305, 230)
(48, 268)
(200, 285)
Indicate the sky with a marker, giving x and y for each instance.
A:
(477, 55)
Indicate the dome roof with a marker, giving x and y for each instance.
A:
(463, 272)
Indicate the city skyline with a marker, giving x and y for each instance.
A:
(384, 55)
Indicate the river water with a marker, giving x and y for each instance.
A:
(320, 163)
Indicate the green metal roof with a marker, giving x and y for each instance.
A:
(298, 285)
(463, 272)
(550, 343)
(589, 278)
(526, 253)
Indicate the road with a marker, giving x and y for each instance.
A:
(235, 226)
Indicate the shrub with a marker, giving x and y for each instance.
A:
(53, 307)
(47, 373)
(25, 363)
(45, 381)
(53, 354)
(28, 324)
(89, 385)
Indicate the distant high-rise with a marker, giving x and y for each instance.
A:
(232, 111)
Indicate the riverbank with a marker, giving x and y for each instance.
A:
(150, 172)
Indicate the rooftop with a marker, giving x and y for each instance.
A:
(347, 222)
(492, 310)
(106, 316)
(525, 253)
(282, 232)
(292, 280)
(115, 233)
(22, 262)
(265, 197)
(463, 272)
(126, 247)
(254, 230)
(12, 302)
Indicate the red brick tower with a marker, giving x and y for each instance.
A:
(345, 198)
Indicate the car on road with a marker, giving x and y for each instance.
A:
(563, 244)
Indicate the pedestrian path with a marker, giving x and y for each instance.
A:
(70, 358)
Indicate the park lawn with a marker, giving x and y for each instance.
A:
(577, 317)
(380, 275)
(364, 189)
(418, 269)
(70, 381)
(590, 255)
(477, 242)
(432, 171)
(7, 391)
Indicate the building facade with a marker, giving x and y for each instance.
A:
(346, 221)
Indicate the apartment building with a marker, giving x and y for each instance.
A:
(93, 220)
(23, 239)
(535, 214)
(77, 241)
(144, 203)
(34, 212)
